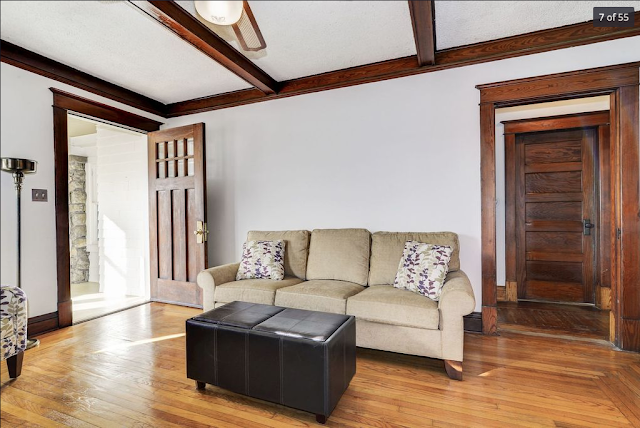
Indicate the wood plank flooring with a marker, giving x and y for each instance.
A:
(128, 370)
(568, 320)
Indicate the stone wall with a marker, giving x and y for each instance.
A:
(79, 257)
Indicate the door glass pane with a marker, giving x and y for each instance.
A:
(170, 149)
(161, 169)
(161, 149)
(181, 168)
(190, 147)
(171, 170)
(180, 148)
(190, 168)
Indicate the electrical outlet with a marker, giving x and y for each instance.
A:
(39, 195)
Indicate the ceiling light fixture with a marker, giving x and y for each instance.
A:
(220, 12)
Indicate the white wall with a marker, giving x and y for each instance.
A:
(402, 154)
(123, 211)
(525, 112)
(27, 131)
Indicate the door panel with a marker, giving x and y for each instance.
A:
(177, 200)
(554, 193)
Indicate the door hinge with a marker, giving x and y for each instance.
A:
(618, 233)
(201, 232)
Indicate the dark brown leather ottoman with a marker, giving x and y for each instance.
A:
(301, 359)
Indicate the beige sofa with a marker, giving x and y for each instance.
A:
(352, 271)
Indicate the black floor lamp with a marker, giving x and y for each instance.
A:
(18, 169)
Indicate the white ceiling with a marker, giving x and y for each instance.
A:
(115, 42)
(460, 23)
(311, 37)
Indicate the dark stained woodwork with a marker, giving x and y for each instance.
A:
(581, 321)
(424, 30)
(117, 371)
(509, 47)
(453, 369)
(61, 169)
(63, 101)
(177, 199)
(627, 157)
(42, 324)
(572, 84)
(488, 233)
(74, 103)
(14, 365)
(38, 64)
(606, 219)
(191, 30)
(620, 82)
(473, 322)
(555, 123)
(546, 271)
(510, 207)
(555, 166)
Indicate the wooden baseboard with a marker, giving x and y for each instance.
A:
(512, 291)
(473, 322)
(42, 324)
(502, 293)
(603, 298)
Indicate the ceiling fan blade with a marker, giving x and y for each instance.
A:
(248, 32)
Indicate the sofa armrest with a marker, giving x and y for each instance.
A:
(456, 301)
(13, 310)
(209, 278)
(457, 295)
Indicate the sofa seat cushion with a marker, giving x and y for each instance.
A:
(252, 290)
(296, 248)
(388, 305)
(318, 295)
(340, 254)
(387, 249)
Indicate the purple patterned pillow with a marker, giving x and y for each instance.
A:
(423, 268)
(262, 260)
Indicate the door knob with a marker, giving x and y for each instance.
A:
(201, 232)
(587, 226)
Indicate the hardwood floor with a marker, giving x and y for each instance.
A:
(128, 370)
(567, 320)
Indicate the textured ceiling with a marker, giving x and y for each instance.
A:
(117, 43)
(460, 23)
(77, 127)
(311, 37)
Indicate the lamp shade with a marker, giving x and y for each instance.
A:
(220, 12)
(13, 165)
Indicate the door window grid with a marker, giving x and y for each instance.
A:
(175, 158)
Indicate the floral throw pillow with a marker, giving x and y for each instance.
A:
(262, 260)
(423, 268)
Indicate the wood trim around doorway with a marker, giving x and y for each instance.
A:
(63, 103)
(621, 83)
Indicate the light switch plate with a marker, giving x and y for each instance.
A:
(39, 195)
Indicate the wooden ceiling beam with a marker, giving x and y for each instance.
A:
(508, 47)
(38, 64)
(190, 29)
(424, 31)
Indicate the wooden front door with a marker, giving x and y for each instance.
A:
(177, 211)
(555, 215)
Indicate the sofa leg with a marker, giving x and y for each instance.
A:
(454, 369)
(14, 364)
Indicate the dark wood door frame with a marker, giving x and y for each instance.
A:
(595, 119)
(621, 83)
(63, 103)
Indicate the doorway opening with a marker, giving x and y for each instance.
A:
(108, 218)
(553, 218)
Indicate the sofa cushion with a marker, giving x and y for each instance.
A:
(341, 254)
(387, 248)
(296, 248)
(318, 295)
(388, 305)
(423, 268)
(252, 290)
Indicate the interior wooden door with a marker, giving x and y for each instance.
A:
(555, 215)
(177, 207)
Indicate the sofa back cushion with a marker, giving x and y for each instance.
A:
(340, 254)
(387, 248)
(296, 248)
